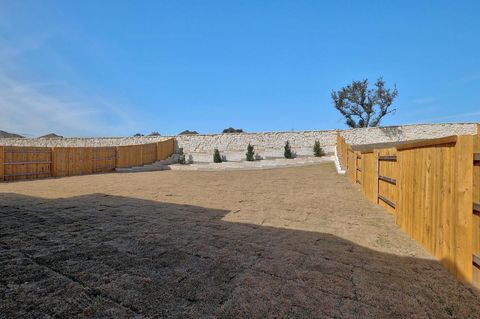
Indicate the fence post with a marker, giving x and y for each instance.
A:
(116, 157)
(2, 160)
(476, 212)
(376, 172)
(53, 163)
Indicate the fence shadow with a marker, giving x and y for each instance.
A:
(109, 256)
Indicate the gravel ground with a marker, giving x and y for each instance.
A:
(282, 243)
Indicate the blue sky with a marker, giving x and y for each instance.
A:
(88, 68)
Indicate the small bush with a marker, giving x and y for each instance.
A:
(181, 156)
(250, 153)
(154, 133)
(217, 158)
(138, 135)
(288, 150)
(317, 150)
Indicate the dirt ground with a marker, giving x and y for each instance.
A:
(282, 243)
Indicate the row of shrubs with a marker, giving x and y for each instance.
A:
(250, 155)
(287, 152)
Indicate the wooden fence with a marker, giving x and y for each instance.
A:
(21, 163)
(476, 210)
(429, 186)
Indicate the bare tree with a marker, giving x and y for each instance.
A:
(364, 107)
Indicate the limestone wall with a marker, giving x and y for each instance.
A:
(233, 146)
(81, 142)
(267, 145)
(386, 134)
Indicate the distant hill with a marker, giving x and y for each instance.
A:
(4, 134)
(51, 135)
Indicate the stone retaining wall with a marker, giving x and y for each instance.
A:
(81, 142)
(387, 134)
(267, 145)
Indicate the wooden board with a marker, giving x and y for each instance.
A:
(165, 149)
(369, 176)
(476, 218)
(1, 163)
(351, 165)
(386, 190)
(72, 161)
(358, 168)
(104, 159)
(429, 143)
(22, 163)
(129, 156)
(342, 151)
(149, 153)
(435, 185)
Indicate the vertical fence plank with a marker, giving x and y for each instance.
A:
(476, 215)
(165, 149)
(21, 163)
(2, 159)
(387, 175)
(463, 224)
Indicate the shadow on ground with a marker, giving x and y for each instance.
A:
(108, 256)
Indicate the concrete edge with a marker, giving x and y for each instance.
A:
(337, 162)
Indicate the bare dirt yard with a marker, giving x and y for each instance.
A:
(282, 243)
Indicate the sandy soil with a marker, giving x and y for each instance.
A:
(292, 242)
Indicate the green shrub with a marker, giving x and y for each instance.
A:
(217, 158)
(317, 150)
(250, 153)
(181, 156)
(288, 150)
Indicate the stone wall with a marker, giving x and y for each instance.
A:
(267, 145)
(386, 134)
(81, 142)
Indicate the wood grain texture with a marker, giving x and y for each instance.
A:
(165, 149)
(23, 163)
(1, 163)
(476, 217)
(428, 143)
(430, 187)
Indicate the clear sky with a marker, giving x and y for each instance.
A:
(89, 68)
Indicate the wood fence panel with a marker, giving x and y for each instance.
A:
(476, 212)
(2, 159)
(433, 188)
(128, 156)
(464, 200)
(351, 168)
(165, 149)
(387, 176)
(370, 176)
(73, 161)
(149, 153)
(358, 168)
(104, 159)
(342, 151)
(21, 163)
